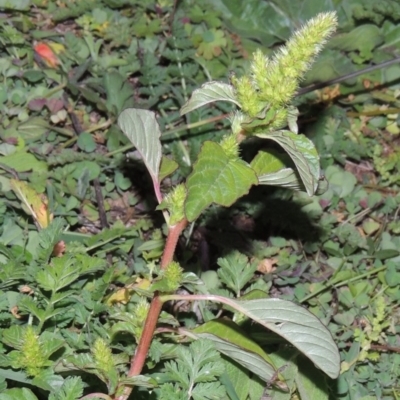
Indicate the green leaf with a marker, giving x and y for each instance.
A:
(167, 167)
(119, 92)
(310, 382)
(48, 380)
(33, 128)
(17, 376)
(18, 394)
(216, 178)
(272, 169)
(71, 389)
(304, 155)
(142, 129)
(209, 93)
(139, 380)
(267, 162)
(23, 162)
(236, 271)
(16, 5)
(230, 340)
(13, 336)
(298, 326)
(63, 271)
(364, 39)
(86, 142)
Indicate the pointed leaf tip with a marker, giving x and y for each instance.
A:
(209, 93)
(142, 129)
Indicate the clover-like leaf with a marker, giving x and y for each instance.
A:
(142, 129)
(208, 93)
(216, 178)
(303, 153)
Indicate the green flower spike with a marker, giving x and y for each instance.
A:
(277, 79)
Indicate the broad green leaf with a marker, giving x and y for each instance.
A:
(13, 336)
(208, 93)
(310, 382)
(142, 129)
(216, 178)
(48, 380)
(267, 162)
(18, 394)
(17, 5)
(33, 128)
(364, 39)
(254, 20)
(71, 389)
(303, 153)
(298, 326)
(167, 168)
(23, 162)
(230, 340)
(119, 92)
(17, 376)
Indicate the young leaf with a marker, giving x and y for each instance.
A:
(303, 153)
(216, 178)
(208, 93)
(236, 271)
(71, 389)
(142, 129)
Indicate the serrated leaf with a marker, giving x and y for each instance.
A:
(303, 153)
(71, 389)
(142, 129)
(230, 340)
(13, 336)
(209, 93)
(216, 178)
(48, 380)
(298, 326)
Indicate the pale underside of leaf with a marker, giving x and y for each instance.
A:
(304, 155)
(286, 177)
(298, 326)
(142, 129)
(251, 361)
(209, 93)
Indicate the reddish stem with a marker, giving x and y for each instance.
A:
(139, 358)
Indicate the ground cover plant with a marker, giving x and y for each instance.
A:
(133, 132)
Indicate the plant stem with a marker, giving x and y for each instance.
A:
(139, 358)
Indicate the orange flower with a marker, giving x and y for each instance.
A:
(46, 54)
